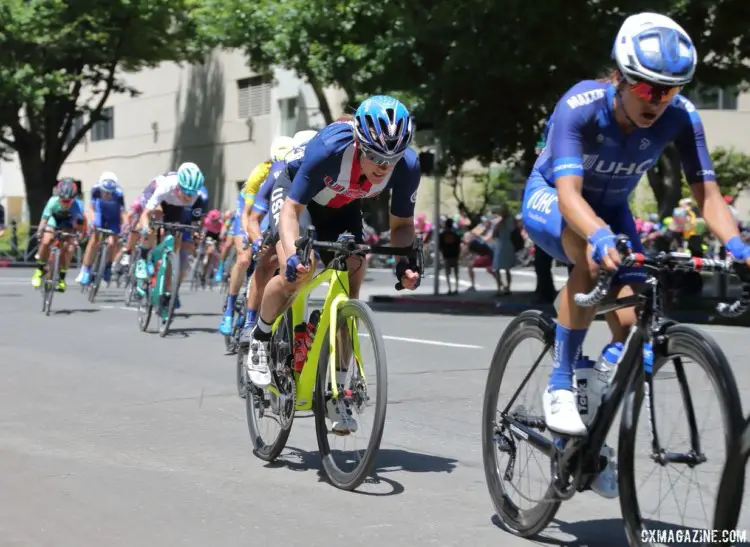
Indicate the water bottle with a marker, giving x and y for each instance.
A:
(603, 372)
(584, 376)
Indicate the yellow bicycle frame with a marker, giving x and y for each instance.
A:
(338, 293)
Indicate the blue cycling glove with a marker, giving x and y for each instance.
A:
(739, 249)
(291, 268)
(257, 245)
(602, 240)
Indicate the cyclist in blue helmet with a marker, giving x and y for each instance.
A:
(602, 138)
(323, 185)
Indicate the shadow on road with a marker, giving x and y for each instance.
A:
(82, 310)
(388, 460)
(198, 314)
(187, 331)
(609, 532)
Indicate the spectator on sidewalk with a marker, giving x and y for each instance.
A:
(450, 249)
(477, 244)
(503, 250)
(2, 220)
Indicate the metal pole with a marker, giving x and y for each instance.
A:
(436, 222)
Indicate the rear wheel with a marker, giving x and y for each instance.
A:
(131, 281)
(347, 470)
(100, 264)
(275, 405)
(498, 439)
(51, 283)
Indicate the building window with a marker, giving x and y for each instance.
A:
(289, 110)
(75, 127)
(714, 98)
(104, 129)
(254, 96)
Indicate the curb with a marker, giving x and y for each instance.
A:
(501, 308)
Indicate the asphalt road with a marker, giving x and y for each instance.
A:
(109, 436)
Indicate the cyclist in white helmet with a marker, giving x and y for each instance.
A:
(603, 137)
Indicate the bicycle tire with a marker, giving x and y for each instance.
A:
(341, 479)
(263, 450)
(101, 264)
(173, 260)
(529, 522)
(732, 485)
(145, 308)
(54, 277)
(690, 342)
(131, 281)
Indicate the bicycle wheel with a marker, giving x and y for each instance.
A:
(54, 277)
(195, 270)
(145, 307)
(700, 348)
(498, 438)
(362, 315)
(131, 281)
(167, 314)
(732, 486)
(100, 263)
(277, 402)
(231, 341)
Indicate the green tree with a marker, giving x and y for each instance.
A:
(63, 59)
(732, 170)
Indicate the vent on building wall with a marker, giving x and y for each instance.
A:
(254, 96)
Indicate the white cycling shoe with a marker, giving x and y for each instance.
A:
(340, 414)
(561, 412)
(257, 363)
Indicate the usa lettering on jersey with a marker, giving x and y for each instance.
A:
(277, 200)
(587, 97)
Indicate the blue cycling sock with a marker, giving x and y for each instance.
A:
(231, 299)
(568, 343)
(251, 318)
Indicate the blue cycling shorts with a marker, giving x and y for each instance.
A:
(544, 224)
(107, 222)
(236, 228)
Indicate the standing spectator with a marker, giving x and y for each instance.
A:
(2, 220)
(477, 244)
(503, 252)
(450, 249)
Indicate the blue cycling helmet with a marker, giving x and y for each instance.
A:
(383, 125)
(190, 178)
(108, 181)
(652, 48)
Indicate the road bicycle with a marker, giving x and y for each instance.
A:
(52, 275)
(652, 342)
(100, 261)
(166, 262)
(199, 274)
(317, 383)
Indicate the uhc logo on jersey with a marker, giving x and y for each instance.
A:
(615, 169)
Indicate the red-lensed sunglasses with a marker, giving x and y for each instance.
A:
(66, 202)
(654, 93)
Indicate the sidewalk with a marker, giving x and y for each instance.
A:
(484, 302)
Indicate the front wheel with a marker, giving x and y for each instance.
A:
(731, 488)
(166, 313)
(347, 471)
(683, 342)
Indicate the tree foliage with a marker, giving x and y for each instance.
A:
(732, 170)
(60, 59)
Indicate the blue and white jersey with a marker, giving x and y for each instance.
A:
(110, 207)
(263, 197)
(328, 173)
(584, 139)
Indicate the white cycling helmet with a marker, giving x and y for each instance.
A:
(301, 138)
(653, 48)
(280, 146)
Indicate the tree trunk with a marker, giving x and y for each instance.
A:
(665, 179)
(325, 108)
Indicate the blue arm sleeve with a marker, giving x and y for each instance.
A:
(693, 149)
(309, 178)
(260, 204)
(565, 142)
(405, 183)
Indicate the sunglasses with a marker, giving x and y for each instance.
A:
(183, 193)
(654, 93)
(379, 160)
(66, 202)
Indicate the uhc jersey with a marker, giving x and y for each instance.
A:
(584, 139)
(109, 208)
(329, 173)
